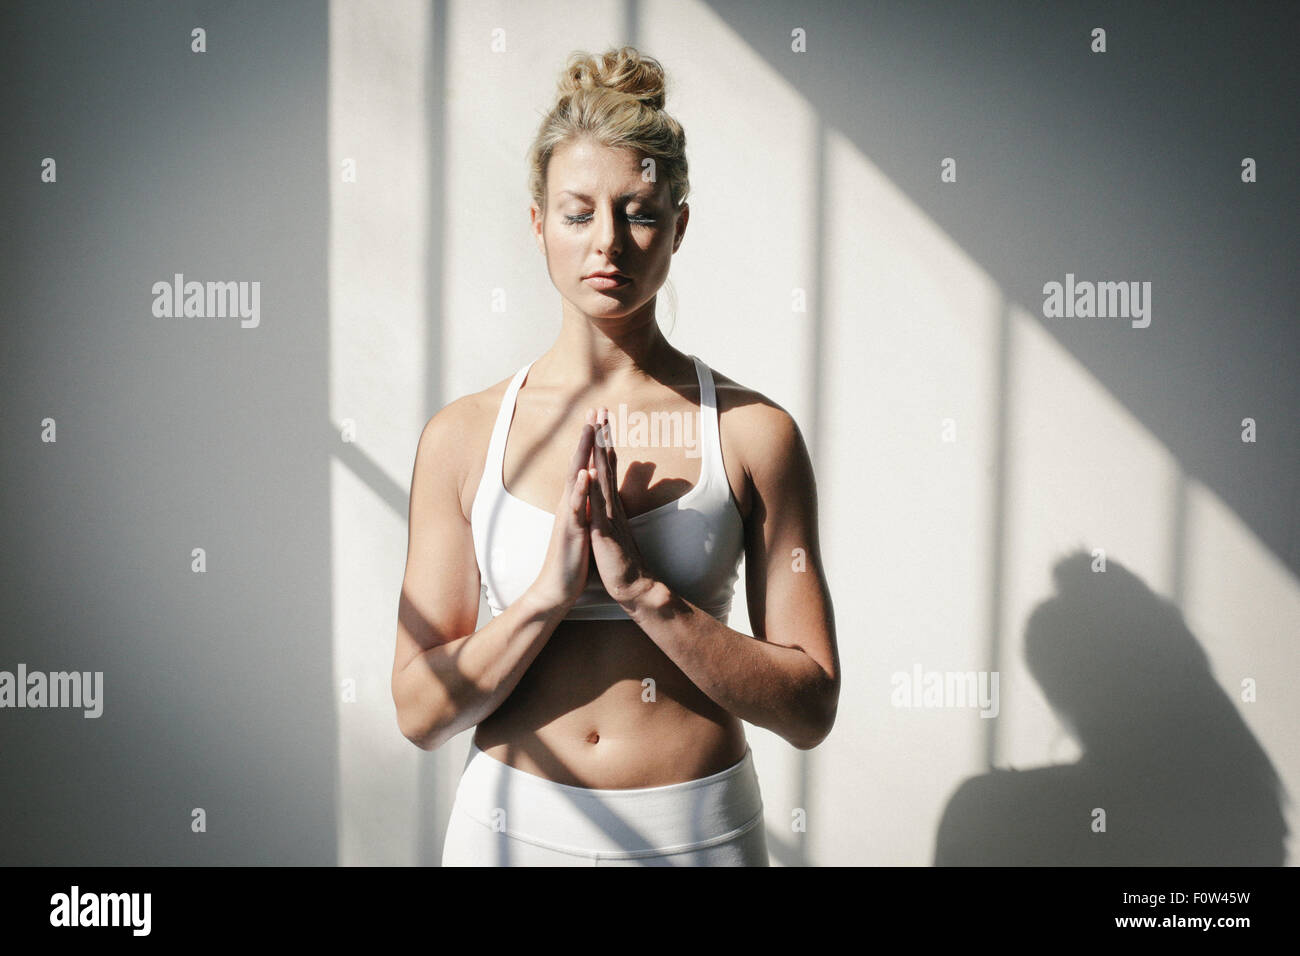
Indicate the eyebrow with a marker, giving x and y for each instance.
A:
(644, 196)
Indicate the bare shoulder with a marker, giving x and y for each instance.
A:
(455, 439)
(757, 433)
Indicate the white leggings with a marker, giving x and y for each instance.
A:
(503, 816)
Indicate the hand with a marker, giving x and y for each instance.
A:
(618, 559)
(566, 565)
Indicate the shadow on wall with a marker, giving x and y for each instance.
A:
(1181, 779)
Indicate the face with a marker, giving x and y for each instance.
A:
(602, 215)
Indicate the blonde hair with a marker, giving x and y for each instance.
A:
(617, 99)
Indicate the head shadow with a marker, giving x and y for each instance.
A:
(1170, 774)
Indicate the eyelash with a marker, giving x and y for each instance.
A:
(635, 220)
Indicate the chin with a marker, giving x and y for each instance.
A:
(600, 302)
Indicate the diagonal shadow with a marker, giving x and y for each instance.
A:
(1089, 199)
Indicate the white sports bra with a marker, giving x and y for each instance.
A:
(693, 544)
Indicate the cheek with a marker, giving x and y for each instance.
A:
(660, 252)
(662, 245)
(562, 247)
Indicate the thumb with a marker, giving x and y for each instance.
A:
(578, 500)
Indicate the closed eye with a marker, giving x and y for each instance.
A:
(586, 217)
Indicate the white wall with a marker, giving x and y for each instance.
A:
(936, 550)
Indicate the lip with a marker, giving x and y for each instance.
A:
(602, 281)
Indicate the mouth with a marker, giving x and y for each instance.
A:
(613, 280)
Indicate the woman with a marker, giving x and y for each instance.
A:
(607, 690)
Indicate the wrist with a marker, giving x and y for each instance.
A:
(543, 601)
(645, 596)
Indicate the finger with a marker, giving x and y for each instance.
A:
(602, 478)
(611, 465)
(617, 499)
(582, 454)
(598, 517)
(578, 500)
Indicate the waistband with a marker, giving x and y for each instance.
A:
(623, 823)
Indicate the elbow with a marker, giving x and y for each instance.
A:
(810, 738)
(422, 737)
(417, 721)
(818, 715)
(429, 743)
(416, 732)
(423, 734)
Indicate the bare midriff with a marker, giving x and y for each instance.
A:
(586, 714)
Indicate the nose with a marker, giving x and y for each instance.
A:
(607, 238)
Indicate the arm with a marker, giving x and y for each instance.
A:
(785, 678)
(447, 677)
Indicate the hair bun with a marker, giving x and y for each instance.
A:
(625, 70)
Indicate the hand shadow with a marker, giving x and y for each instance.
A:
(636, 488)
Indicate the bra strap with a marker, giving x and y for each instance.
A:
(710, 436)
(497, 446)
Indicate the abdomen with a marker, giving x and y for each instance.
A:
(602, 706)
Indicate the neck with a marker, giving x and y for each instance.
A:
(609, 352)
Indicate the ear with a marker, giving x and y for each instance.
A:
(537, 219)
(682, 216)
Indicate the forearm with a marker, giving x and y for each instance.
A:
(769, 685)
(454, 686)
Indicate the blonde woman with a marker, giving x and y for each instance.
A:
(607, 691)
